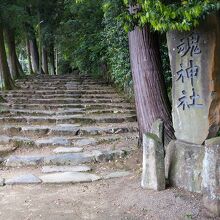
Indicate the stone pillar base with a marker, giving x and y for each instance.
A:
(211, 176)
(183, 164)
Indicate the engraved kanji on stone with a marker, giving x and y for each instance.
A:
(192, 71)
(191, 101)
(189, 44)
(182, 74)
(183, 101)
(194, 99)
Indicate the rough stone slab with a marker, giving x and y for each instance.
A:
(69, 177)
(195, 65)
(2, 181)
(57, 169)
(68, 159)
(153, 174)
(211, 178)
(185, 162)
(54, 141)
(116, 174)
(68, 150)
(85, 142)
(19, 161)
(23, 179)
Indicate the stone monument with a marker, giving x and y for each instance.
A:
(192, 161)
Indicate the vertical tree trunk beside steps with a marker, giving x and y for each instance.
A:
(52, 60)
(45, 60)
(20, 70)
(149, 86)
(34, 55)
(5, 76)
(12, 56)
(29, 56)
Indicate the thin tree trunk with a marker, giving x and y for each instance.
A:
(45, 60)
(6, 80)
(34, 55)
(20, 70)
(52, 61)
(149, 86)
(12, 57)
(29, 56)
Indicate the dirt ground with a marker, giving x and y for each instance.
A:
(113, 199)
(104, 200)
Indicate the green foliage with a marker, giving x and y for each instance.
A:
(80, 36)
(116, 41)
(164, 15)
(93, 41)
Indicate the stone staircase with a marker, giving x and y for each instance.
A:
(60, 129)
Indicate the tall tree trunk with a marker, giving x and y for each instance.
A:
(29, 56)
(12, 57)
(149, 86)
(45, 60)
(34, 55)
(20, 70)
(52, 60)
(5, 76)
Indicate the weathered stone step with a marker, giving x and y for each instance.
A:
(59, 91)
(71, 119)
(73, 111)
(28, 112)
(59, 96)
(65, 100)
(57, 141)
(67, 129)
(65, 159)
(88, 106)
(60, 177)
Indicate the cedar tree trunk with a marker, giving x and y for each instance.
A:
(5, 76)
(151, 98)
(34, 55)
(52, 60)
(45, 60)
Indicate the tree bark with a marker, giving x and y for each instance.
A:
(20, 70)
(52, 60)
(12, 57)
(5, 76)
(34, 55)
(45, 60)
(151, 98)
(29, 56)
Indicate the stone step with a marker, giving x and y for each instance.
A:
(64, 101)
(67, 129)
(71, 119)
(73, 111)
(18, 142)
(88, 106)
(61, 96)
(68, 177)
(68, 159)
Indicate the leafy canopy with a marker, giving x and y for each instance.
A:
(164, 15)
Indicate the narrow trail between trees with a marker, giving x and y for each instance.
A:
(68, 150)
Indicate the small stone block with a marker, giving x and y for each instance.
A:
(23, 179)
(57, 169)
(68, 150)
(69, 177)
